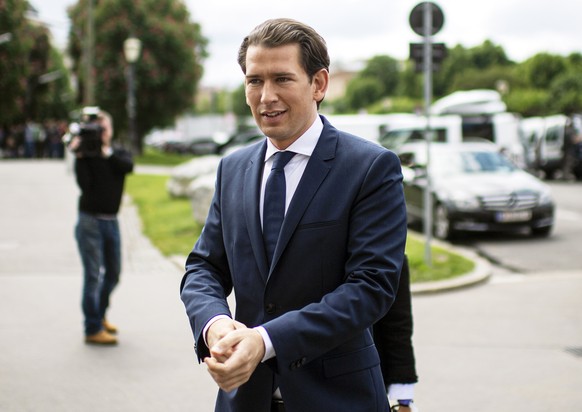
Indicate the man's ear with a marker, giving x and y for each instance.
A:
(320, 84)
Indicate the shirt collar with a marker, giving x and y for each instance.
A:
(306, 143)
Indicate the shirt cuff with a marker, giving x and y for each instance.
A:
(269, 350)
(210, 322)
(401, 391)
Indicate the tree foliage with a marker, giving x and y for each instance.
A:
(167, 71)
(386, 70)
(463, 68)
(528, 102)
(541, 85)
(542, 68)
(565, 93)
(239, 102)
(362, 92)
(33, 80)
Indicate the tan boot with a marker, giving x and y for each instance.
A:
(101, 338)
(110, 328)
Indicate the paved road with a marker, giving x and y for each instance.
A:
(513, 344)
(526, 254)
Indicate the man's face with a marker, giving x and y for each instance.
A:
(278, 91)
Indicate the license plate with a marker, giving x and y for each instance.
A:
(517, 216)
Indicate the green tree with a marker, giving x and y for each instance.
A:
(48, 92)
(168, 70)
(57, 98)
(488, 78)
(528, 102)
(457, 61)
(239, 102)
(488, 55)
(363, 91)
(411, 83)
(14, 53)
(28, 67)
(463, 67)
(385, 69)
(565, 93)
(541, 69)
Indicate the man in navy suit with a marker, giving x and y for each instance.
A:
(301, 337)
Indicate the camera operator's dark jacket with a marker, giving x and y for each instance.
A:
(101, 180)
(393, 336)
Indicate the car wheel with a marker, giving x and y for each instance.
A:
(550, 174)
(442, 223)
(541, 231)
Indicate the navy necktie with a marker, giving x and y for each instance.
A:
(274, 202)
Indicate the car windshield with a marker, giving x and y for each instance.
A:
(456, 162)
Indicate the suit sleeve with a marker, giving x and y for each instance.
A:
(204, 295)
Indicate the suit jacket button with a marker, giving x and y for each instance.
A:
(270, 308)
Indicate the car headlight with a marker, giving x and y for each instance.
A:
(464, 201)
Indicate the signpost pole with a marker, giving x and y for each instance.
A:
(427, 65)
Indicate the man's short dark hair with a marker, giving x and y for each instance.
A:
(282, 32)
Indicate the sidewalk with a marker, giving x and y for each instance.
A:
(513, 343)
(44, 362)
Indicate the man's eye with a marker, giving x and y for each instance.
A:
(282, 79)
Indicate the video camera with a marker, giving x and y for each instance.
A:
(89, 131)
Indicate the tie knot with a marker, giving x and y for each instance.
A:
(281, 159)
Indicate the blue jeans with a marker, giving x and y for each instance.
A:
(99, 245)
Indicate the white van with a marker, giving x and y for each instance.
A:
(475, 115)
(547, 140)
(369, 126)
(441, 129)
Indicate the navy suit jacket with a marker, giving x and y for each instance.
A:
(334, 274)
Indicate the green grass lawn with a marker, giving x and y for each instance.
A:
(169, 224)
(167, 221)
(155, 157)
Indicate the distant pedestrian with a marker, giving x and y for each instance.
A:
(101, 176)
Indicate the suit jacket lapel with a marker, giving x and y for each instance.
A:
(317, 169)
(251, 193)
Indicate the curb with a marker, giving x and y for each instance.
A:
(480, 274)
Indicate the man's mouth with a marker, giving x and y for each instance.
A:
(272, 114)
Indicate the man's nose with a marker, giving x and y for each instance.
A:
(269, 92)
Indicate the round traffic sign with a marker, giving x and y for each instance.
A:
(417, 18)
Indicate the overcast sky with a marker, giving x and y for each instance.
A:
(360, 29)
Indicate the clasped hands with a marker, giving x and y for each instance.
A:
(235, 352)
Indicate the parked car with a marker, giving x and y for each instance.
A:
(474, 187)
(240, 139)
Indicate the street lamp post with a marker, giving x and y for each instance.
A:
(131, 49)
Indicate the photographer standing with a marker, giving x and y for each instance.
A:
(100, 175)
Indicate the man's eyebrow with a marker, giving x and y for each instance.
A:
(276, 74)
